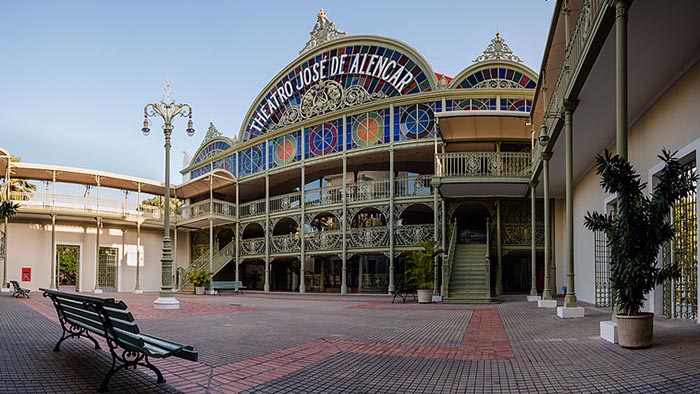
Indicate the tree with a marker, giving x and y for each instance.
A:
(159, 202)
(67, 263)
(7, 209)
(640, 226)
(24, 188)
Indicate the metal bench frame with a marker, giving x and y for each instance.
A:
(234, 285)
(404, 292)
(19, 291)
(107, 310)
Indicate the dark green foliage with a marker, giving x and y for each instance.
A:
(420, 270)
(8, 209)
(640, 227)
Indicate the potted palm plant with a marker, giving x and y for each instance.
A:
(199, 277)
(635, 233)
(420, 270)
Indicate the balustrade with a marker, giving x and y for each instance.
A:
(483, 164)
(368, 237)
(411, 235)
(285, 243)
(83, 204)
(203, 208)
(252, 246)
(323, 240)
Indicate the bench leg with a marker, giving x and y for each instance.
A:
(153, 368)
(74, 331)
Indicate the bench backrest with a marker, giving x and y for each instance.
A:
(106, 317)
(233, 284)
(15, 284)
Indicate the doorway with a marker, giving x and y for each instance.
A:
(68, 260)
(107, 269)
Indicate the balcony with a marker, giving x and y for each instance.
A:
(362, 191)
(362, 238)
(481, 167)
(84, 206)
(220, 211)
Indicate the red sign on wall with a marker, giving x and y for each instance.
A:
(26, 274)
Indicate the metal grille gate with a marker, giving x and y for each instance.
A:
(602, 270)
(681, 295)
(107, 269)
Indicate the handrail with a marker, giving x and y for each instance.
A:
(483, 164)
(417, 185)
(203, 208)
(85, 204)
(450, 259)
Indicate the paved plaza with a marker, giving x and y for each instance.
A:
(290, 343)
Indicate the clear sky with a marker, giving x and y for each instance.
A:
(75, 75)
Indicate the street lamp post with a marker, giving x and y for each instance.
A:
(168, 110)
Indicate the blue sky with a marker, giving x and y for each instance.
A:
(75, 75)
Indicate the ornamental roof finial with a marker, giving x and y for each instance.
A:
(498, 50)
(323, 31)
(212, 133)
(167, 93)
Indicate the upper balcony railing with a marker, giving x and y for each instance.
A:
(204, 208)
(84, 205)
(357, 238)
(483, 164)
(590, 14)
(356, 192)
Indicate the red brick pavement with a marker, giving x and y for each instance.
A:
(485, 339)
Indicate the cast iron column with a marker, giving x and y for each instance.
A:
(533, 240)
(546, 290)
(570, 298)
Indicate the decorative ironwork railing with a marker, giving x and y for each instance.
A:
(450, 259)
(368, 237)
(323, 196)
(519, 233)
(84, 204)
(412, 186)
(285, 202)
(356, 192)
(252, 246)
(483, 164)
(204, 208)
(411, 235)
(591, 12)
(252, 208)
(285, 243)
(323, 240)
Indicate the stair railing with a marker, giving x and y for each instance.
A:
(488, 261)
(219, 259)
(447, 268)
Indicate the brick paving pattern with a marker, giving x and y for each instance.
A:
(284, 343)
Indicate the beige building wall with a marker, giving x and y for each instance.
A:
(673, 122)
(29, 245)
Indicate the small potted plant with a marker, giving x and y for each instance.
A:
(635, 233)
(420, 270)
(199, 277)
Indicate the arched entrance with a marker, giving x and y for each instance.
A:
(224, 237)
(471, 222)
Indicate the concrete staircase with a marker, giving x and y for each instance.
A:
(470, 279)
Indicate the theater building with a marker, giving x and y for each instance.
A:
(357, 151)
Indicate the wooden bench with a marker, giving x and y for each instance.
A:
(81, 316)
(403, 292)
(235, 285)
(19, 292)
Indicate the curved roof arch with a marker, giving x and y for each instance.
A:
(477, 74)
(211, 148)
(345, 71)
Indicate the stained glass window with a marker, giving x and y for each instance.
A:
(519, 105)
(211, 150)
(376, 69)
(476, 104)
(251, 160)
(285, 150)
(324, 139)
(368, 129)
(227, 163)
(200, 171)
(497, 77)
(415, 121)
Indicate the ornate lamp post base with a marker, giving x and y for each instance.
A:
(166, 303)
